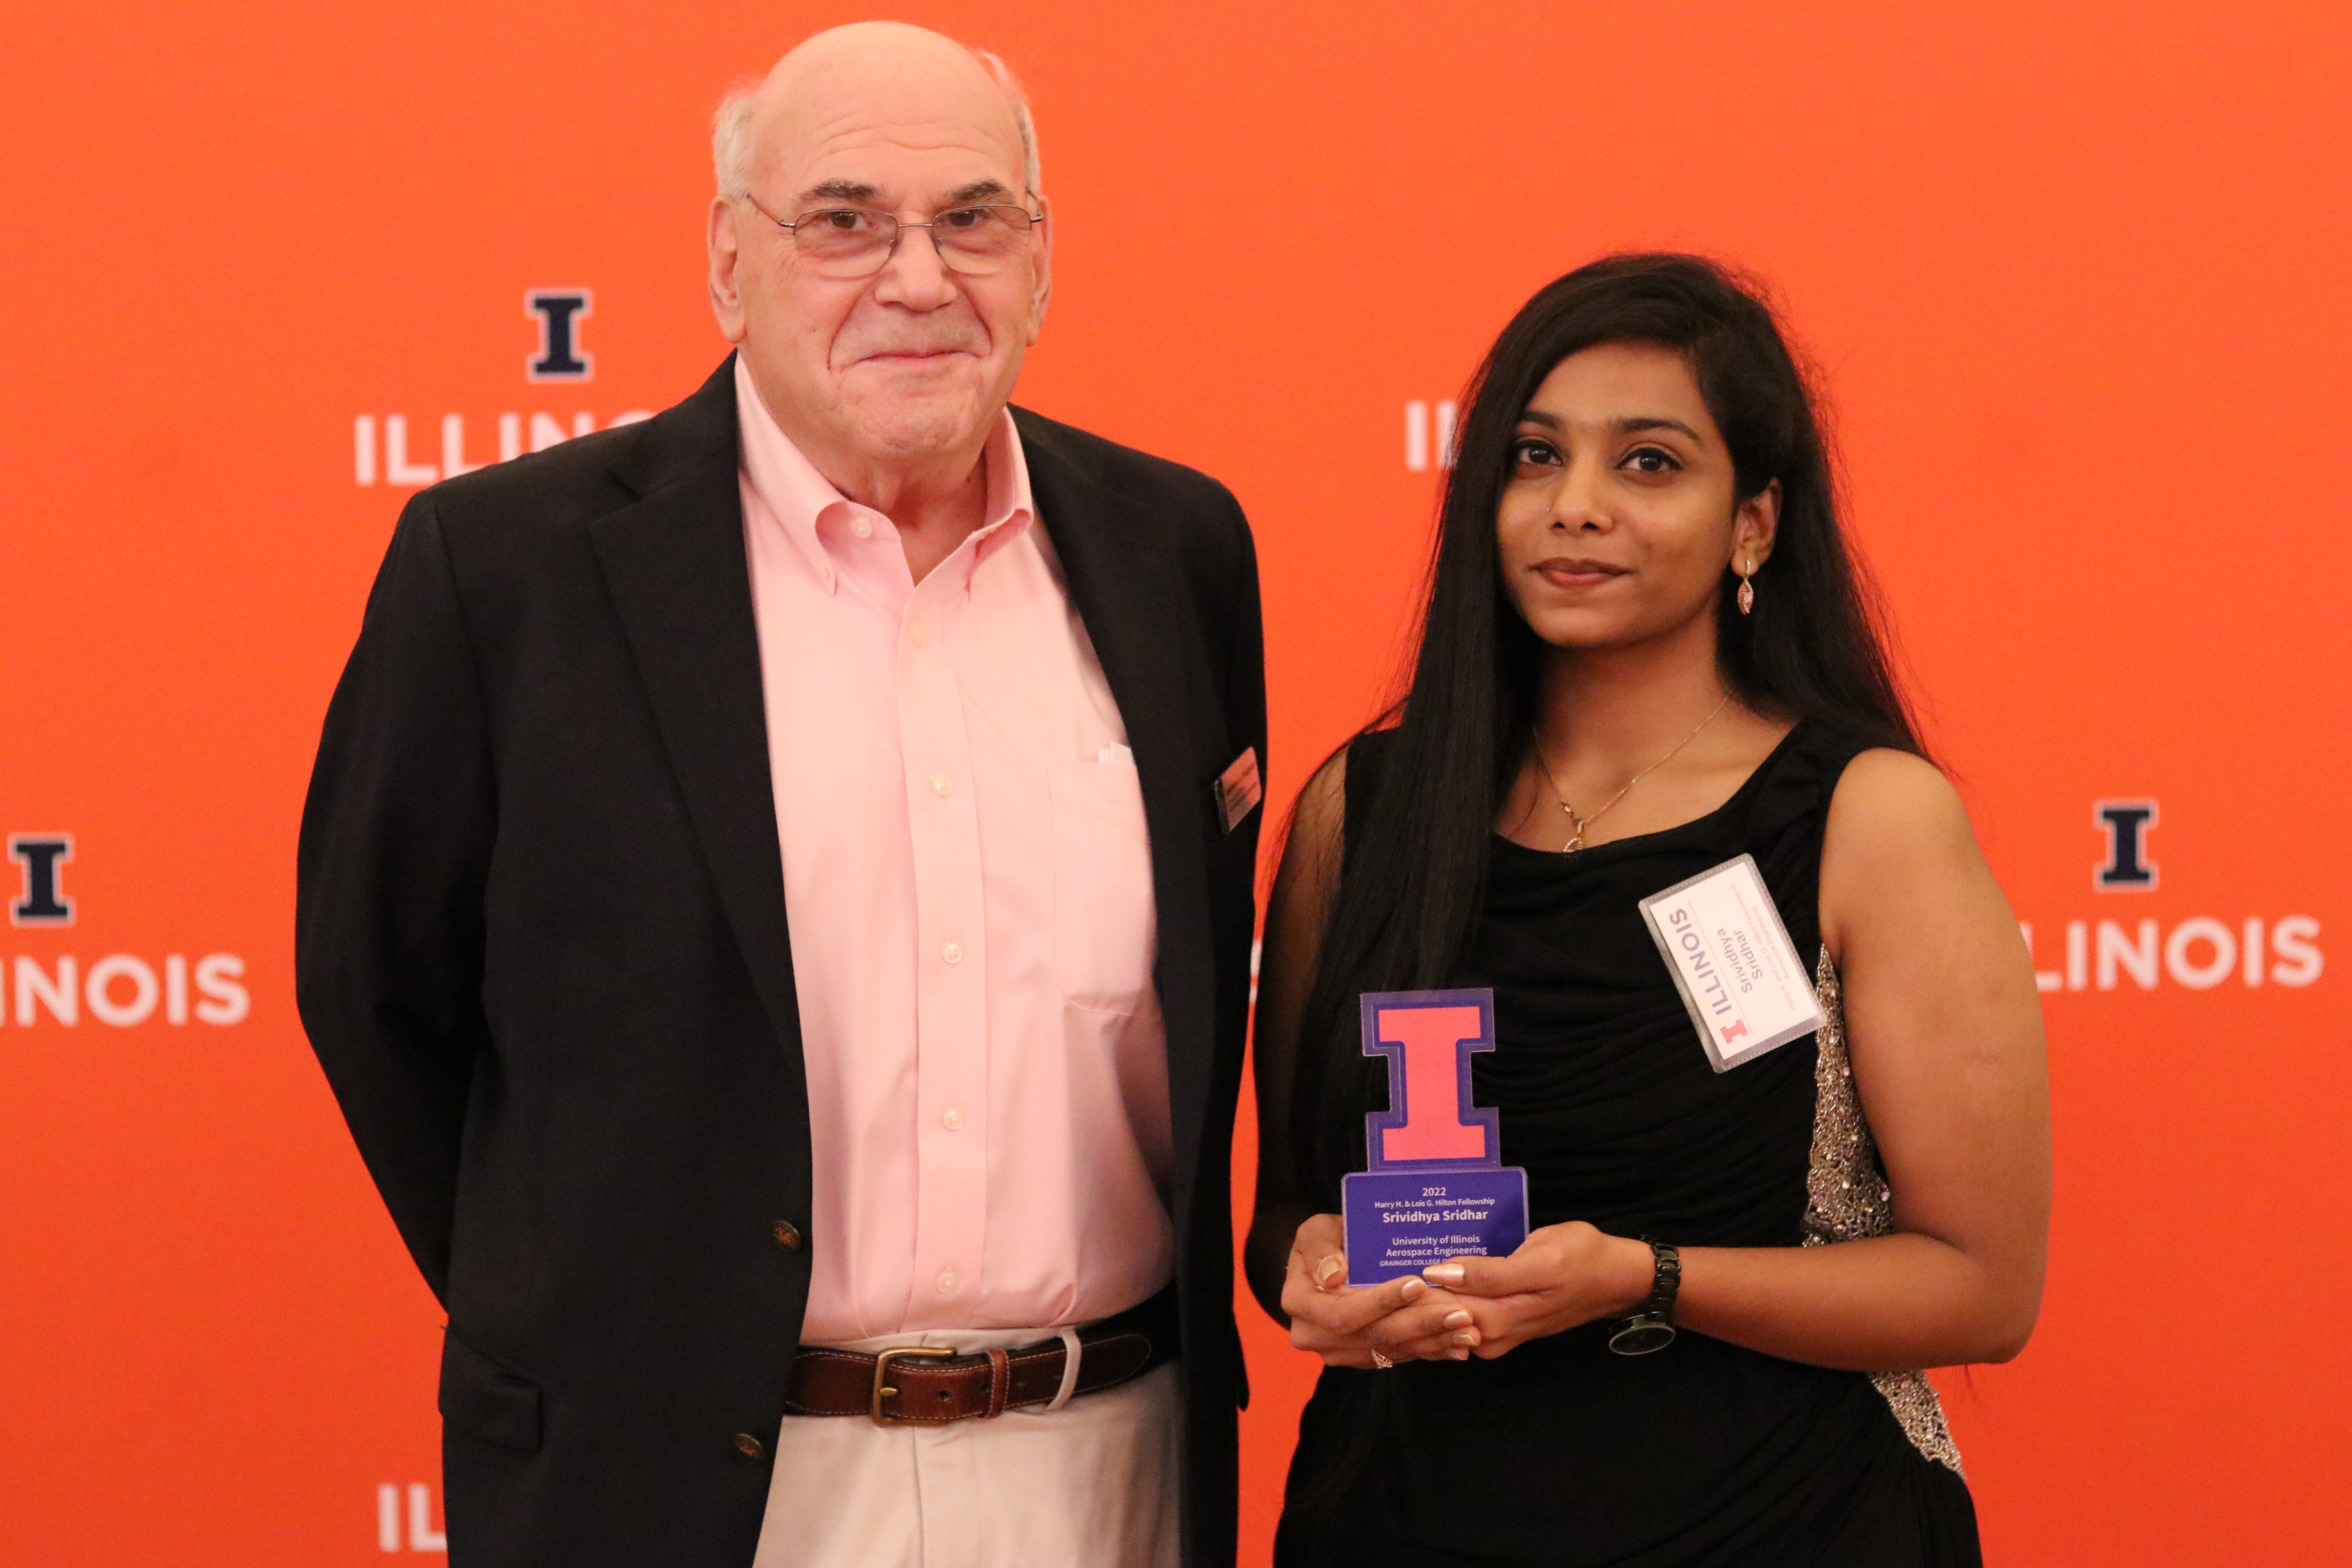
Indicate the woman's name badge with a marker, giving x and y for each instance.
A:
(1721, 935)
(1436, 1187)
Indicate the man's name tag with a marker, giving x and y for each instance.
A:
(1237, 790)
(1733, 962)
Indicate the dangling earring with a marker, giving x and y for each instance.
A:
(1748, 588)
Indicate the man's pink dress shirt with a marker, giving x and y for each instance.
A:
(969, 889)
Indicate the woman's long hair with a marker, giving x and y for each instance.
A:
(1812, 649)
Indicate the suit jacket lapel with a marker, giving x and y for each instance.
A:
(1120, 579)
(675, 566)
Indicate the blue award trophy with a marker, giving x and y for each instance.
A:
(1435, 1186)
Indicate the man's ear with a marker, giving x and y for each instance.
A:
(1754, 527)
(726, 291)
(1043, 293)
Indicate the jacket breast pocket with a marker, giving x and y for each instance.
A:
(1105, 922)
(488, 1399)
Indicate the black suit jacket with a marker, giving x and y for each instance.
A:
(541, 952)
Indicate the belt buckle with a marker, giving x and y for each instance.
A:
(882, 1391)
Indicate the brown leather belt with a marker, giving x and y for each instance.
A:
(917, 1386)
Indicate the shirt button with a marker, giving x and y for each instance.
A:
(948, 1283)
(860, 527)
(787, 1234)
(915, 637)
(750, 1447)
(952, 954)
(943, 786)
(953, 1118)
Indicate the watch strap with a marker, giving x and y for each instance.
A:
(1652, 1326)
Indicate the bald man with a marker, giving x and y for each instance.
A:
(776, 899)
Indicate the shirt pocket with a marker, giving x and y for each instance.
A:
(1105, 921)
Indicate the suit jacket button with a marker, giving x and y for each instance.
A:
(787, 1234)
(750, 1447)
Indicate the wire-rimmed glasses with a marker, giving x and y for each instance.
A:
(857, 242)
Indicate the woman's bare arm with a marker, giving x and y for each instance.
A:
(1944, 1027)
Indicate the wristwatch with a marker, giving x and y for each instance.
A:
(1651, 1328)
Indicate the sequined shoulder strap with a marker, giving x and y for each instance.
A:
(1847, 1199)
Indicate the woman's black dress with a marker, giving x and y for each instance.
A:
(1562, 1452)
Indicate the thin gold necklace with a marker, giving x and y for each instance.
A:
(1543, 766)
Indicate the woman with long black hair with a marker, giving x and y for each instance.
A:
(1647, 651)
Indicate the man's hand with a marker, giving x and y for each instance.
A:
(1403, 1320)
(1562, 1276)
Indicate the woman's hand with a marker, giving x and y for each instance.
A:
(1562, 1275)
(1403, 1320)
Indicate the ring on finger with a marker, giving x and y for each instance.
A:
(1381, 1362)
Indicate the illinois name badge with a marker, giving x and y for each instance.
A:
(1738, 972)
(1237, 790)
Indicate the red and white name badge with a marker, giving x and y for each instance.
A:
(1237, 790)
(1747, 990)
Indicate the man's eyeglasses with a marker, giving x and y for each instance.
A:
(857, 242)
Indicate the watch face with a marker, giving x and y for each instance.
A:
(1640, 1336)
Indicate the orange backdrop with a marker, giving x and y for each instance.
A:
(2077, 278)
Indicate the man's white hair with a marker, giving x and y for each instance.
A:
(730, 128)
